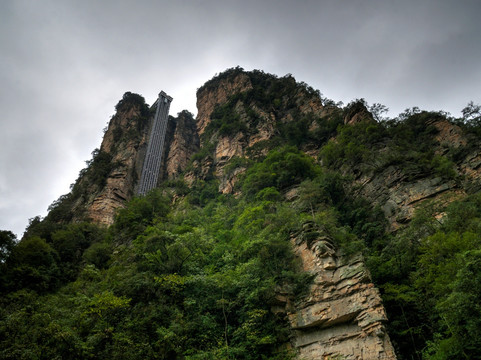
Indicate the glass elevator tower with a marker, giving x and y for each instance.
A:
(155, 147)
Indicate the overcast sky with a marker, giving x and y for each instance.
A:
(65, 64)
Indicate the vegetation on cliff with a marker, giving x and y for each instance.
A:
(188, 273)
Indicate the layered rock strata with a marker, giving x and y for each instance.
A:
(127, 155)
(342, 315)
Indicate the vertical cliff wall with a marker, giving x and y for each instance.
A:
(124, 146)
(183, 142)
(342, 315)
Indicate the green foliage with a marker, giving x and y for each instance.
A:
(141, 212)
(32, 264)
(236, 163)
(203, 191)
(443, 167)
(7, 242)
(99, 168)
(70, 244)
(353, 145)
(471, 119)
(226, 120)
(430, 277)
(280, 169)
(130, 99)
(206, 151)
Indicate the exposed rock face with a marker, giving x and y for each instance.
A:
(449, 134)
(208, 98)
(127, 151)
(181, 145)
(259, 120)
(399, 196)
(358, 113)
(342, 316)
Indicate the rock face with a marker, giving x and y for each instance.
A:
(125, 141)
(399, 195)
(342, 315)
(257, 120)
(181, 145)
(358, 113)
(209, 97)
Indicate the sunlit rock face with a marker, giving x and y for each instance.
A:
(209, 97)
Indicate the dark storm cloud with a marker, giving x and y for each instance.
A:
(65, 64)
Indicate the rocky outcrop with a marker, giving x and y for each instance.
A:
(181, 145)
(126, 141)
(357, 113)
(399, 193)
(342, 315)
(400, 197)
(260, 121)
(209, 97)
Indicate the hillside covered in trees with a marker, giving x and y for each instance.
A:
(205, 266)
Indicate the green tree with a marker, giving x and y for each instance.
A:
(32, 264)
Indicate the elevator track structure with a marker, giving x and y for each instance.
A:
(155, 147)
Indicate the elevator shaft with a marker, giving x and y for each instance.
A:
(155, 147)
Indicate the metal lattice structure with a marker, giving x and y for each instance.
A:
(155, 147)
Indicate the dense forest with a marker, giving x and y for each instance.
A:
(186, 272)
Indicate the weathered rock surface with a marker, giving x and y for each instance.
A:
(127, 151)
(181, 145)
(358, 113)
(342, 316)
(208, 98)
(399, 195)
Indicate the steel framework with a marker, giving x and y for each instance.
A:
(155, 147)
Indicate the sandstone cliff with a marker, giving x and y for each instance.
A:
(342, 316)
(181, 145)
